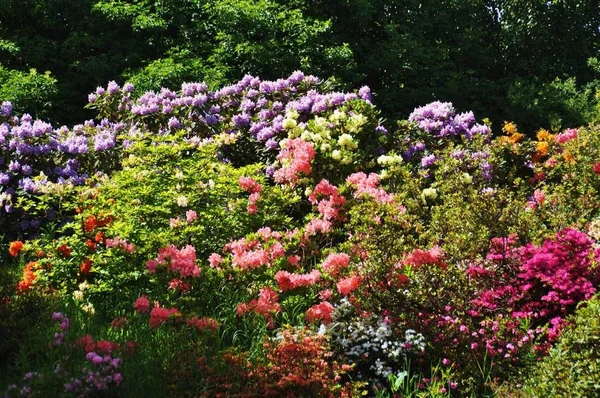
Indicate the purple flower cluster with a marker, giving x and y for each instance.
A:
(440, 119)
(33, 153)
(64, 326)
(251, 107)
(101, 374)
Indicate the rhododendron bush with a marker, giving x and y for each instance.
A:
(272, 238)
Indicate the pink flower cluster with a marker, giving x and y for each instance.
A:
(550, 280)
(329, 203)
(180, 261)
(335, 262)
(566, 136)
(251, 254)
(348, 285)
(368, 186)
(190, 217)
(254, 189)
(328, 200)
(320, 312)
(142, 305)
(288, 281)
(160, 315)
(266, 305)
(202, 324)
(295, 156)
(120, 244)
(433, 256)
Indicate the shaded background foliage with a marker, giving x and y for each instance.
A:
(534, 62)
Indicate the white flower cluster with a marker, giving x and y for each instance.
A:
(371, 340)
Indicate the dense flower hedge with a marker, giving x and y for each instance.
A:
(273, 238)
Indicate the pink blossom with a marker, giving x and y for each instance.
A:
(142, 305)
(348, 285)
(214, 260)
(191, 216)
(288, 281)
(335, 262)
(295, 156)
(320, 312)
(368, 186)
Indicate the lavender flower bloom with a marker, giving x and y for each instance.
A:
(296, 77)
(128, 87)
(100, 90)
(365, 93)
(113, 87)
(241, 120)
(272, 144)
(104, 141)
(6, 109)
(14, 166)
(4, 178)
(381, 130)
(174, 123)
(428, 161)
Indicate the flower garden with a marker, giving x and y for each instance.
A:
(277, 238)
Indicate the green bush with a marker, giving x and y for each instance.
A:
(573, 366)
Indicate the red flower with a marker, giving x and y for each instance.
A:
(15, 248)
(86, 266)
(64, 250)
(90, 224)
(596, 168)
(99, 237)
(90, 245)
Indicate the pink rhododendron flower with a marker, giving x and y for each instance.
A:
(567, 135)
(204, 323)
(368, 186)
(191, 216)
(214, 260)
(295, 156)
(336, 261)
(120, 243)
(142, 305)
(433, 256)
(181, 261)
(348, 285)
(288, 281)
(160, 315)
(320, 312)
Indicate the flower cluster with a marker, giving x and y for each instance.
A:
(371, 342)
(254, 189)
(267, 304)
(289, 281)
(369, 186)
(295, 157)
(119, 243)
(440, 119)
(181, 261)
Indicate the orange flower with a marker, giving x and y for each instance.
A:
(544, 135)
(510, 128)
(542, 148)
(569, 158)
(28, 278)
(15, 248)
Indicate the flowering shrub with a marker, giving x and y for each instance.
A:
(268, 238)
